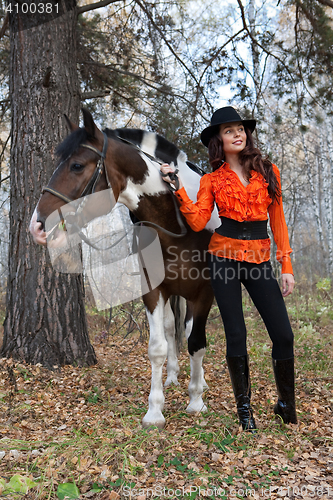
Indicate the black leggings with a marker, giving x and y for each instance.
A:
(259, 280)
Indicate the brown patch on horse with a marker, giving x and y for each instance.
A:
(185, 258)
(126, 162)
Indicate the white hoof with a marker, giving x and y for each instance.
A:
(196, 407)
(171, 379)
(153, 419)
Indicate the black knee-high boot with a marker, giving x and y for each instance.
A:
(240, 379)
(285, 384)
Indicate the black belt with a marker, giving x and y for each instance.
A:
(248, 230)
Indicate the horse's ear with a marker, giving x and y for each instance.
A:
(70, 124)
(89, 123)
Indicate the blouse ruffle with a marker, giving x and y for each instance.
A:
(236, 201)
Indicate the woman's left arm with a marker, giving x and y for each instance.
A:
(281, 238)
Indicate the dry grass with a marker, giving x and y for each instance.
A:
(83, 425)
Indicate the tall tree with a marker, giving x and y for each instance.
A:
(45, 320)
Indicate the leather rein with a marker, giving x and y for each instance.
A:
(92, 183)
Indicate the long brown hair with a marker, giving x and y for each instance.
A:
(250, 158)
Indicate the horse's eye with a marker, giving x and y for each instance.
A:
(77, 167)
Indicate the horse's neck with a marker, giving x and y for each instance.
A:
(159, 210)
(151, 185)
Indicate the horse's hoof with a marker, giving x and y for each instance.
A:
(171, 379)
(196, 407)
(151, 420)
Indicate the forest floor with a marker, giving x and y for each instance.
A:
(77, 431)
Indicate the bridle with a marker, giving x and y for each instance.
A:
(91, 186)
(92, 183)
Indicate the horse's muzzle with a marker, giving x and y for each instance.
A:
(42, 222)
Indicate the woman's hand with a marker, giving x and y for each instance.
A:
(166, 169)
(288, 284)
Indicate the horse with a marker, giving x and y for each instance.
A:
(127, 161)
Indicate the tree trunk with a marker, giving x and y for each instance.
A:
(328, 193)
(255, 55)
(45, 320)
(314, 194)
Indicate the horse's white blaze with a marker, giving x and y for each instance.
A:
(152, 185)
(157, 352)
(169, 330)
(195, 387)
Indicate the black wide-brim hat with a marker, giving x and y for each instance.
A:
(224, 115)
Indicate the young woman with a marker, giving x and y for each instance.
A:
(246, 189)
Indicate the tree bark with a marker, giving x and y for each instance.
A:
(45, 319)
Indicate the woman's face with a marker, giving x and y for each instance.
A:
(233, 137)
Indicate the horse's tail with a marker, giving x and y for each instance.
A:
(178, 306)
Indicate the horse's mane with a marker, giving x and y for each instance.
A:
(154, 144)
(72, 143)
(159, 146)
(165, 151)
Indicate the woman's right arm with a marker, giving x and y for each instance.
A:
(196, 214)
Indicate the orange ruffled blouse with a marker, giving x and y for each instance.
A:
(235, 201)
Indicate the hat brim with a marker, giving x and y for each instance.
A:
(212, 130)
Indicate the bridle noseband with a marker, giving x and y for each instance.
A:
(92, 183)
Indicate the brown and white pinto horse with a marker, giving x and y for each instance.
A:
(136, 182)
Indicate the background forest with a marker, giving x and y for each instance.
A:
(163, 66)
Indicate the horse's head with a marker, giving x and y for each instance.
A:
(81, 172)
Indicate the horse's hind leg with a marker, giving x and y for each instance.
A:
(188, 330)
(169, 330)
(157, 352)
(197, 349)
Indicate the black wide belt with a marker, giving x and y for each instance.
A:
(248, 230)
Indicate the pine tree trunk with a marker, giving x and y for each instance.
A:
(45, 320)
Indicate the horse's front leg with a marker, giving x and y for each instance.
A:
(197, 383)
(157, 352)
(197, 349)
(197, 363)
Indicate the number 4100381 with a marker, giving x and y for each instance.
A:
(32, 8)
